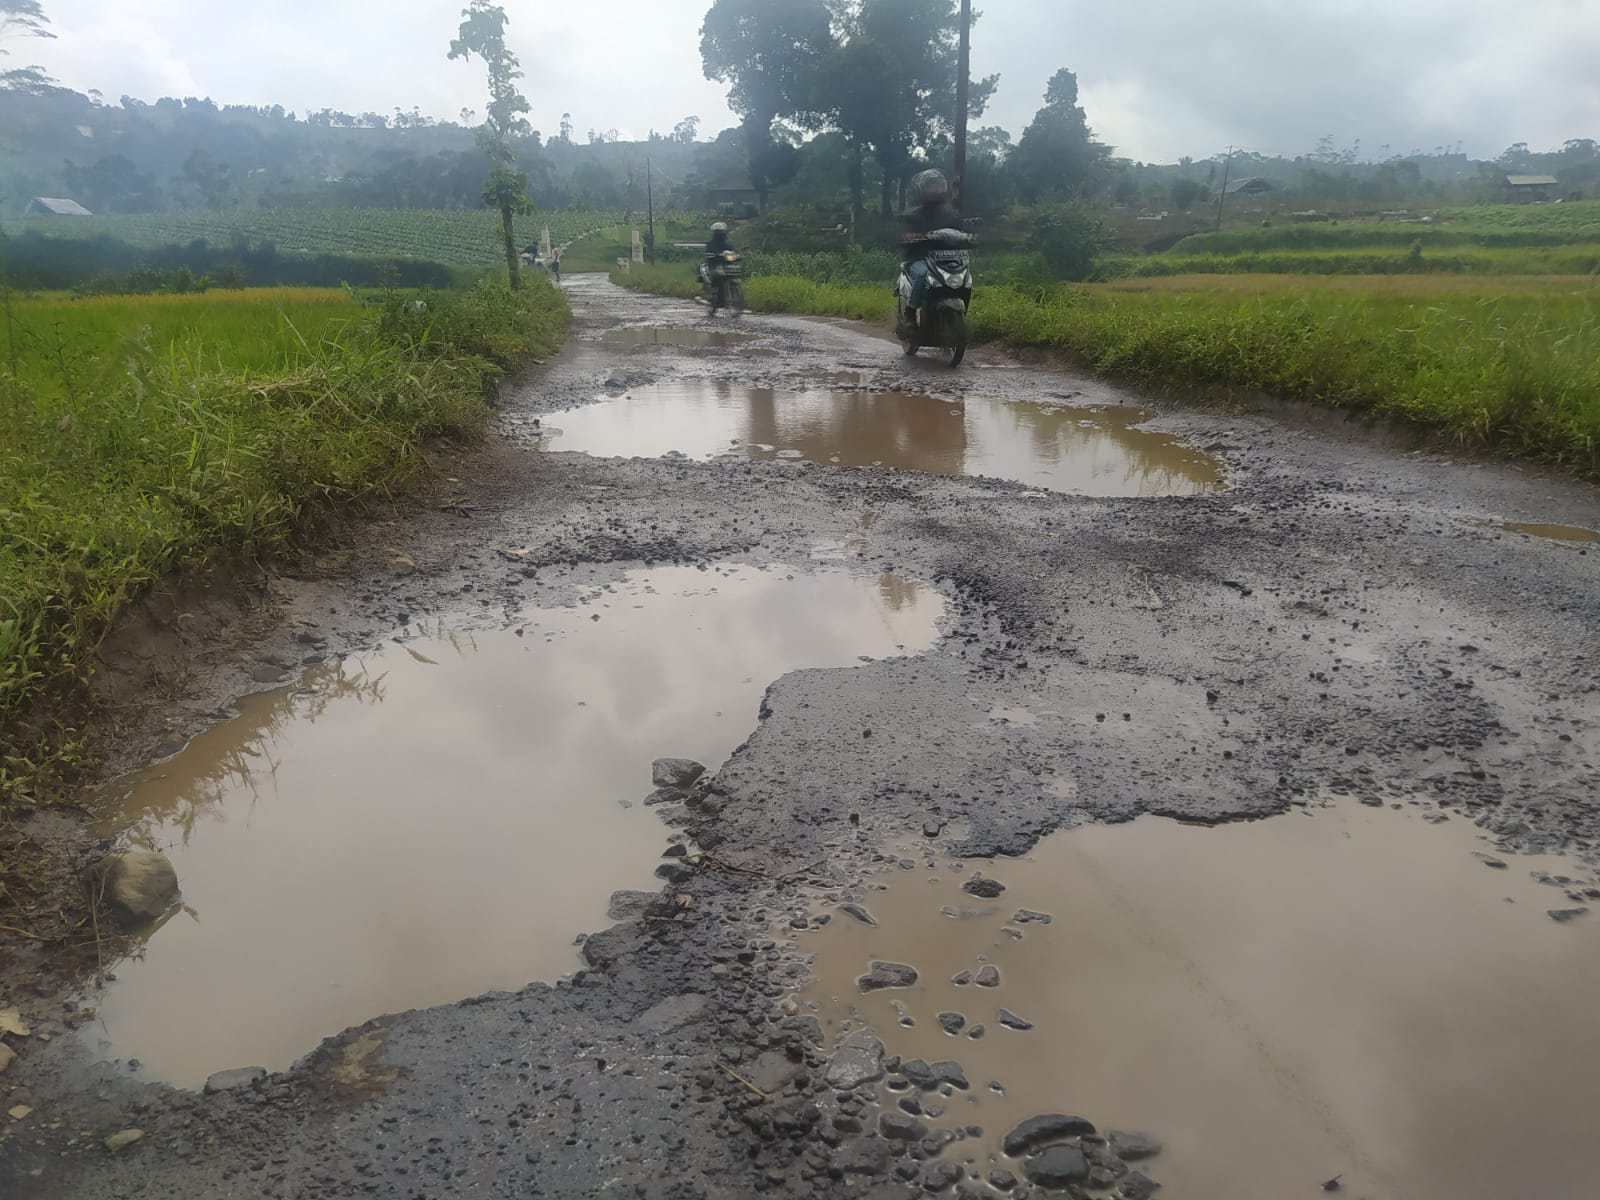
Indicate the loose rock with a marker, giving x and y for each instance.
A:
(901, 1127)
(983, 888)
(952, 1022)
(881, 975)
(1133, 1146)
(861, 1156)
(121, 1141)
(989, 976)
(858, 1060)
(1138, 1186)
(226, 1081)
(949, 1071)
(1057, 1167)
(1562, 915)
(1026, 916)
(1047, 1127)
(675, 772)
(859, 913)
(140, 885)
(1011, 1021)
(941, 1177)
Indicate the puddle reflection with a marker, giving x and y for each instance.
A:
(440, 818)
(1096, 452)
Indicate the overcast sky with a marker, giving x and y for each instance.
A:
(1159, 78)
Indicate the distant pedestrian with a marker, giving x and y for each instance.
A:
(555, 263)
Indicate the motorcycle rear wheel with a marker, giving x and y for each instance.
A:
(735, 297)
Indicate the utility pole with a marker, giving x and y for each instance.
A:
(650, 208)
(963, 83)
(1222, 196)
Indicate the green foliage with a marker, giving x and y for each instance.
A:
(142, 437)
(1070, 239)
(1058, 154)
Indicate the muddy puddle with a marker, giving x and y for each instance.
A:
(1560, 533)
(636, 336)
(1099, 451)
(441, 817)
(1346, 993)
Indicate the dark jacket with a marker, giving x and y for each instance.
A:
(925, 219)
(719, 242)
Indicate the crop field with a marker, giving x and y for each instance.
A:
(466, 237)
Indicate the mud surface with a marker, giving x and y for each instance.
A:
(1346, 620)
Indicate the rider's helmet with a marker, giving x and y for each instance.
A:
(931, 186)
(719, 227)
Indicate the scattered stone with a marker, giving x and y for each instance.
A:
(273, 674)
(942, 1176)
(983, 888)
(976, 1032)
(625, 905)
(1138, 1186)
(952, 1022)
(772, 1070)
(912, 1105)
(1489, 860)
(989, 976)
(1026, 916)
(17, 1113)
(961, 978)
(861, 1156)
(881, 975)
(858, 1060)
(901, 1127)
(11, 1022)
(1001, 1180)
(919, 1072)
(226, 1081)
(1104, 1171)
(675, 772)
(663, 795)
(1562, 915)
(932, 829)
(949, 1071)
(859, 913)
(141, 885)
(675, 872)
(1047, 1127)
(121, 1141)
(1133, 1146)
(1057, 1167)
(1011, 1021)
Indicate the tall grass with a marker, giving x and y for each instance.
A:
(140, 437)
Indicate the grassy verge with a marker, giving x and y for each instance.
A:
(140, 436)
(1511, 365)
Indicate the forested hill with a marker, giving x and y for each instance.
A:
(130, 157)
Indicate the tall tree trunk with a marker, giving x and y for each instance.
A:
(888, 194)
(857, 187)
(513, 259)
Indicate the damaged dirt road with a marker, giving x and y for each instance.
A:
(940, 637)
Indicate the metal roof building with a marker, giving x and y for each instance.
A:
(46, 206)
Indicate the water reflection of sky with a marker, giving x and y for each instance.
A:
(441, 818)
(1098, 452)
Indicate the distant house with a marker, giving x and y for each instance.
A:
(737, 197)
(45, 206)
(1529, 188)
(1252, 186)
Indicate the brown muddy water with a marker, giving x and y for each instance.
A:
(1100, 451)
(1342, 992)
(441, 817)
(1560, 533)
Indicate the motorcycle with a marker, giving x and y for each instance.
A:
(944, 309)
(722, 277)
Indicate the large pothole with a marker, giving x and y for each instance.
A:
(442, 816)
(1347, 993)
(1096, 451)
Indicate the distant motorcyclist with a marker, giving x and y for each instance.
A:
(933, 213)
(720, 240)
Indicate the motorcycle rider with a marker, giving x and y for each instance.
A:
(932, 189)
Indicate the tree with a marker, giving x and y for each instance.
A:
(766, 51)
(22, 19)
(210, 179)
(483, 33)
(1185, 192)
(1058, 153)
(1069, 238)
(686, 131)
